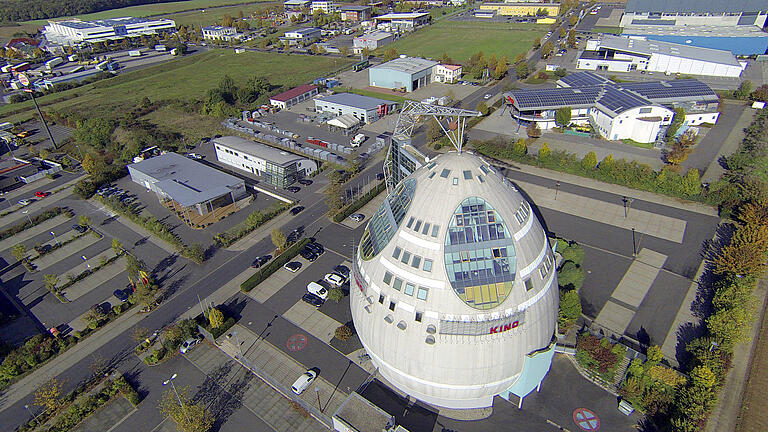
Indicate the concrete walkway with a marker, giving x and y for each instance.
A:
(731, 145)
(134, 227)
(313, 321)
(56, 256)
(653, 224)
(683, 318)
(619, 310)
(32, 232)
(96, 279)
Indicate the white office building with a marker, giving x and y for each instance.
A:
(76, 31)
(365, 109)
(372, 41)
(324, 6)
(303, 35)
(623, 54)
(446, 73)
(221, 33)
(279, 168)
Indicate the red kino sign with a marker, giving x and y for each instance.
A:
(504, 327)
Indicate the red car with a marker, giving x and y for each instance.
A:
(41, 194)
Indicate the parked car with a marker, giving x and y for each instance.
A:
(342, 270)
(292, 266)
(305, 182)
(304, 381)
(79, 228)
(308, 254)
(121, 295)
(195, 156)
(334, 279)
(357, 217)
(260, 261)
(294, 236)
(41, 194)
(296, 210)
(317, 248)
(318, 290)
(188, 345)
(25, 202)
(293, 189)
(487, 96)
(312, 299)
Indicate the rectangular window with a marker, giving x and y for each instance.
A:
(528, 284)
(435, 230)
(427, 265)
(480, 179)
(421, 293)
(455, 181)
(391, 305)
(416, 261)
(445, 173)
(406, 257)
(417, 227)
(381, 298)
(409, 288)
(425, 230)
(410, 222)
(459, 220)
(432, 174)
(397, 284)
(483, 169)
(467, 175)
(396, 253)
(418, 316)
(387, 278)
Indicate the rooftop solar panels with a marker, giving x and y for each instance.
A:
(528, 99)
(617, 100)
(581, 79)
(671, 89)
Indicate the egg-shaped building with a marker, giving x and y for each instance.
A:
(454, 293)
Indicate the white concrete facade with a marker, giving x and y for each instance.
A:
(324, 6)
(446, 73)
(428, 336)
(221, 33)
(640, 124)
(75, 31)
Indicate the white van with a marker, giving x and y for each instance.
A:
(357, 140)
(318, 290)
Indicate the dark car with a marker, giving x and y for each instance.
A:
(380, 176)
(312, 299)
(305, 182)
(296, 210)
(121, 295)
(308, 254)
(79, 228)
(260, 261)
(315, 247)
(342, 270)
(294, 235)
(293, 189)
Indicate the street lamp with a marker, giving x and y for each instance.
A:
(557, 187)
(26, 212)
(170, 381)
(634, 248)
(627, 202)
(86, 262)
(35, 417)
(55, 239)
(237, 341)
(317, 393)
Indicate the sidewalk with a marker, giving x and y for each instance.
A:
(69, 249)
(32, 232)
(39, 204)
(64, 361)
(731, 145)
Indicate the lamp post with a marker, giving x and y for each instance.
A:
(55, 239)
(317, 393)
(557, 187)
(634, 247)
(88, 266)
(170, 381)
(26, 407)
(26, 212)
(627, 202)
(237, 341)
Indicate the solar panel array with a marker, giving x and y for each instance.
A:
(617, 100)
(671, 89)
(527, 99)
(581, 79)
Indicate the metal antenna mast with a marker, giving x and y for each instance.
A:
(409, 117)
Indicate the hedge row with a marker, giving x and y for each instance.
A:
(272, 267)
(254, 220)
(355, 206)
(37, 220)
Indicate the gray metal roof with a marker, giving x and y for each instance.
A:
(184, 180)
(693, 6)
(354, 100)
(409, 65)
(259, 150)
(648, 47)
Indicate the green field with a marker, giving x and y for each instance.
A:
(461, 39)
(188, 78)
(210, 16)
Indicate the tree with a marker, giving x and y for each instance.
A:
(743, 91)
(572, 39)
(48, 394)
(390, 54)
(570, 308)
(88, 164)
(139, 334)
(562, 32)
(189, 416)
(573, 19)
(520, 148)
(196, 253)
(561, 72)
(434, 132)
(522, 70)
(44, 154)
(760, 94)
(19, 252)
(278, 239)
(215, 317)
(501, 69)
(84, 220)
(94, 316)
(692, 182)
(343, 333)
(536, 43)
(335, 294)
(333, 198)
(563, 116)
(544, 152)
(117, 246)
(547, 49)
(51, 280)
(590, 161)
(492, 61)
(570, 276)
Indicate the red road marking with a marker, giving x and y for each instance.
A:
(586, 420)
(296, 342)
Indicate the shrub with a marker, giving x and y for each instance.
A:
(335, 294)
(570, 276)
(544, 152)
(343, 333)
(570, 309)
(590, 161)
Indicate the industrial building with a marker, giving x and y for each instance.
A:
(402, 21)
(49, 82)
(355, 13)
(522, 8)
(638, 111)
(76, 32)
(364, 108)
(408, 73)
(293, 96)
(197, 193)
(372, 41)
(324, 6)
(221, 33)
(448, 74)
(295, 5)
(455, 300)
(302, 36)
(734, 25)
(279, 168)
(623, 54)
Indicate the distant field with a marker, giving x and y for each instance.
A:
(461, 39)
(198, 18)
(187, 78)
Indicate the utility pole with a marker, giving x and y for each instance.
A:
(170, 381)
(24, 80)
(634, 245)
(557, 187)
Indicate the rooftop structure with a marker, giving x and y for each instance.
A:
(696, 6)
(407, 73)
(76, 31)
(293, 96)
(402, 21)
(279, 168)
(522, 8)
(407, 64)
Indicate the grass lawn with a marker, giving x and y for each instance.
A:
(186, 78)
(637, 144)
(210, 16)
(461, 39)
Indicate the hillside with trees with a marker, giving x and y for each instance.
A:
(25, 10)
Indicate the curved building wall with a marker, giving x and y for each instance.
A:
(454, 340)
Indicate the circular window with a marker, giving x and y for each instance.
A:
(430, 340)
(431, 329)
(389, 318)
(402, 325)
